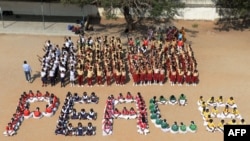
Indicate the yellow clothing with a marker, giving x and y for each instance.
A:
(219, 100)
(210, 125)
(235, 112)
(220, 125)
(230, 102)
(205, 114)
(215, 111)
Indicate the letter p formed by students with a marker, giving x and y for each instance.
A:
(236, 132)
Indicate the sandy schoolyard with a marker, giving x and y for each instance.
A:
(223, 63)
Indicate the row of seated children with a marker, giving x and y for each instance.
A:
(213, 127)
(68, 112)
(107, 122)
(219, 102)
(80, 130)
(85, 98)
(215, 112)
(22, 110)
(142, 120)
(123, 99)
(181, 100)
(50, 108)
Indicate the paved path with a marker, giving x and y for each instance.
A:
(35, 28)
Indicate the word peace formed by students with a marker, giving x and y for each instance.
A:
(138, 112)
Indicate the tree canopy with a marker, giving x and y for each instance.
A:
(234, 13)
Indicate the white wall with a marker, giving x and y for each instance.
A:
(57, 9)
(51, 9)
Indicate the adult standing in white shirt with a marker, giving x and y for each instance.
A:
(27, 71)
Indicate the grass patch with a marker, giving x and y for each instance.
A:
(195, 25)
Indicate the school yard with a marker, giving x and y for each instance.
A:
(223, 64)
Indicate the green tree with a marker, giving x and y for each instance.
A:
(233, 13)
(135, 10)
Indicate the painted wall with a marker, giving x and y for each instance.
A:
(57, 9)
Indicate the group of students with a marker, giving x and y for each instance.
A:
(220, 109)
(139, 113)
(156, 118)
(68, 112)
(157, 60)
(23, 112)
(90, 60)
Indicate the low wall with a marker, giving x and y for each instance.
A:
(58, 9)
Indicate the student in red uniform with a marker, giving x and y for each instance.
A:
(37, 114)
(39, 96)
(129, 98)
(125, 113)
(48, 111)
(107, 128)
(9, 130)
(27, 114)
(132, 113)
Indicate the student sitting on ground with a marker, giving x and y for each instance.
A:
(76, 98)
(48, 111)
(39, 96)
(121, 98)
(83, 115)
(85, 97)
(225, 113)
(27, 114)
(200, 101)
(94, 98)
(172, 100)
(9, 130)
(132, 113)
(117, 113)
(236, 114)
(79, 129)
(37, 114)
(174, 128)
(220, 101)
(214, 112)
(231, 103)
(183, 128)
(211, 126)
(70, 130)
(90, 129)
(92, 115)
(165, 126)
(220, 126)
(162, 100)
(158, 122)
(125, 113)
(192, 127)
(182, 100)
(60, 129)
(211, 102)
(107, 127)
(129, 98)
(74, 114)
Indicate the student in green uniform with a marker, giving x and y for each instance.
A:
(192, 127)
(162, 100)
(182, 100)
(152, 100)
(158, 122)
(174, 128)
(153, 117)
(183, 128)
(165, 126)
(172, 100)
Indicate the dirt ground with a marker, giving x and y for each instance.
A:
(222, 63)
